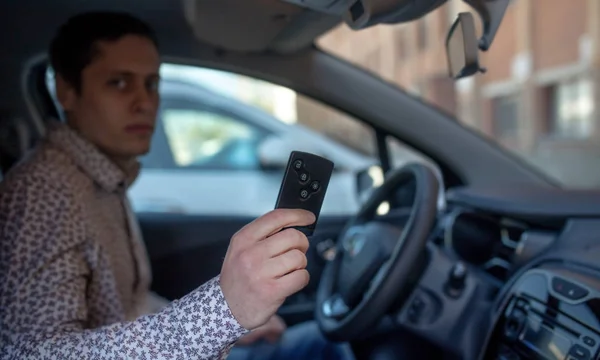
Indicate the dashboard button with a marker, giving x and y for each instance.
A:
(506, 353)
(521, 304)
(589, 341)
(416, 310)
(568, 289)
(579, 352)
(514, 324)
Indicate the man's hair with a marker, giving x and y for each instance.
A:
(76, 42)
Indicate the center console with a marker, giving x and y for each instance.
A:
(549, 313)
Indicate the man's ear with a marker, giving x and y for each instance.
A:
(65, 93)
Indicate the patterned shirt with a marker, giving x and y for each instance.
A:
(74, 274)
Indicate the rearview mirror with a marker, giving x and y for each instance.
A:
(462, 50)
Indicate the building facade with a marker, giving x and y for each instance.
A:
(539, 97)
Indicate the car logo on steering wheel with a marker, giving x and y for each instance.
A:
(354, 243)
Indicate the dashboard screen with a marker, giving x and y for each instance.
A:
(545, 341)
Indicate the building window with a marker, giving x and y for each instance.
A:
(572, 109)
(505, 112)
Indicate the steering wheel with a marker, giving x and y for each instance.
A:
(376, 263)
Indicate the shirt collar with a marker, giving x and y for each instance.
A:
(90, 159)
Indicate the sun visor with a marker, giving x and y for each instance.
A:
(256, 25)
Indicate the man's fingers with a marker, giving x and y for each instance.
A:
(274, 221)
(293, 282)
(283, 242)
(285, 263)
(257, 275)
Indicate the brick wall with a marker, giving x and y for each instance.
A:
(557, 29)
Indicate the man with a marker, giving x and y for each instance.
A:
(74, 276)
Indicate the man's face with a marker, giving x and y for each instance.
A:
(116, 107)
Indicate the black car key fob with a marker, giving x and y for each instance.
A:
(304, 185)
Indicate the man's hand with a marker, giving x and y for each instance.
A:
(264, 266)
(271, 331)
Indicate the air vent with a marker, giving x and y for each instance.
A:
(501, 264)
(483, 240)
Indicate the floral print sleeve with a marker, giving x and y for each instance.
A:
(46, 264)
(199, 326)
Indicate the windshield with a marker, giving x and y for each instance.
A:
(537, 98)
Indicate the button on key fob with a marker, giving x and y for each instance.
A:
(304, 185)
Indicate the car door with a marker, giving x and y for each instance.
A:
(203, 181)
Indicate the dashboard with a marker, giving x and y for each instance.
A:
(538, 249)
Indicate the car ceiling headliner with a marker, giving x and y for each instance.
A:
(237, 25)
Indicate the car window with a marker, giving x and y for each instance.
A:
(401, 155)
(222, 141)
(200, 139)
